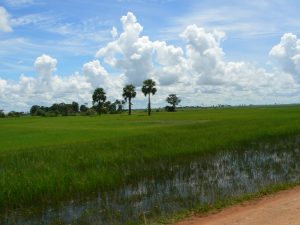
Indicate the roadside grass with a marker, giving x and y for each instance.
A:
(46, 160)
(217, 207)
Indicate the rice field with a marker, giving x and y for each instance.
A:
(47, 161)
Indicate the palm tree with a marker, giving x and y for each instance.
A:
(148, 89)
(129, 93)
(99, 98)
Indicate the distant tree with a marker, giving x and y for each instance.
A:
(83, 108)
(173, 100)
(40, 112)
(34, 109)
(107, 106)
(170, 108)
(91, 112)
(55, 108)
(46, 109)
(123, 102)
(63, 109)
(119, 105)
(115, 107)
(129, 93)
(2, 114)
(15, 114)
(99, 98)
(148, 89)
(75, 107)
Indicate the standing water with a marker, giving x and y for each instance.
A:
(203, 181)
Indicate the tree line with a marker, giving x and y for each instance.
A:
(129, 92)
(100, 103)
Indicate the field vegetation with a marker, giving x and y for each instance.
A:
(50, 159)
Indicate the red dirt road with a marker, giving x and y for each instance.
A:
(282, 208)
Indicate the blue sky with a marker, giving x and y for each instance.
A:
(54, 27)
(72, 31)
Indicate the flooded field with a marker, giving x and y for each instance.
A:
(185, 185)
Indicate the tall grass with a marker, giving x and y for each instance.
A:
(50, 159)
(203, 183)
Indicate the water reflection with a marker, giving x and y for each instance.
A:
(205, 180)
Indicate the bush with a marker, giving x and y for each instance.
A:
(83, 108)
(51, 114)
(15, 114)
(170, 108)
(90, 112)
(40, 112)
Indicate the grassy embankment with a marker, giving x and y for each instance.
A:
(50, 159)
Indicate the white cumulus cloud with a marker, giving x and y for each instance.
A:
(114, 33)
(130, 53)
(287, 55)
(45, 65)
(4, 20)
(45, 88)
(197, 71)
(204, 54)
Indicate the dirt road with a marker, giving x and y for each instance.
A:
(282, 208)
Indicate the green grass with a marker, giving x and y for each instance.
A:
(51, 159)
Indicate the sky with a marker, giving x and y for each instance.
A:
(207, 52)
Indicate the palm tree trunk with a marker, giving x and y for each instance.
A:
(129, 102)
(149, 105)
